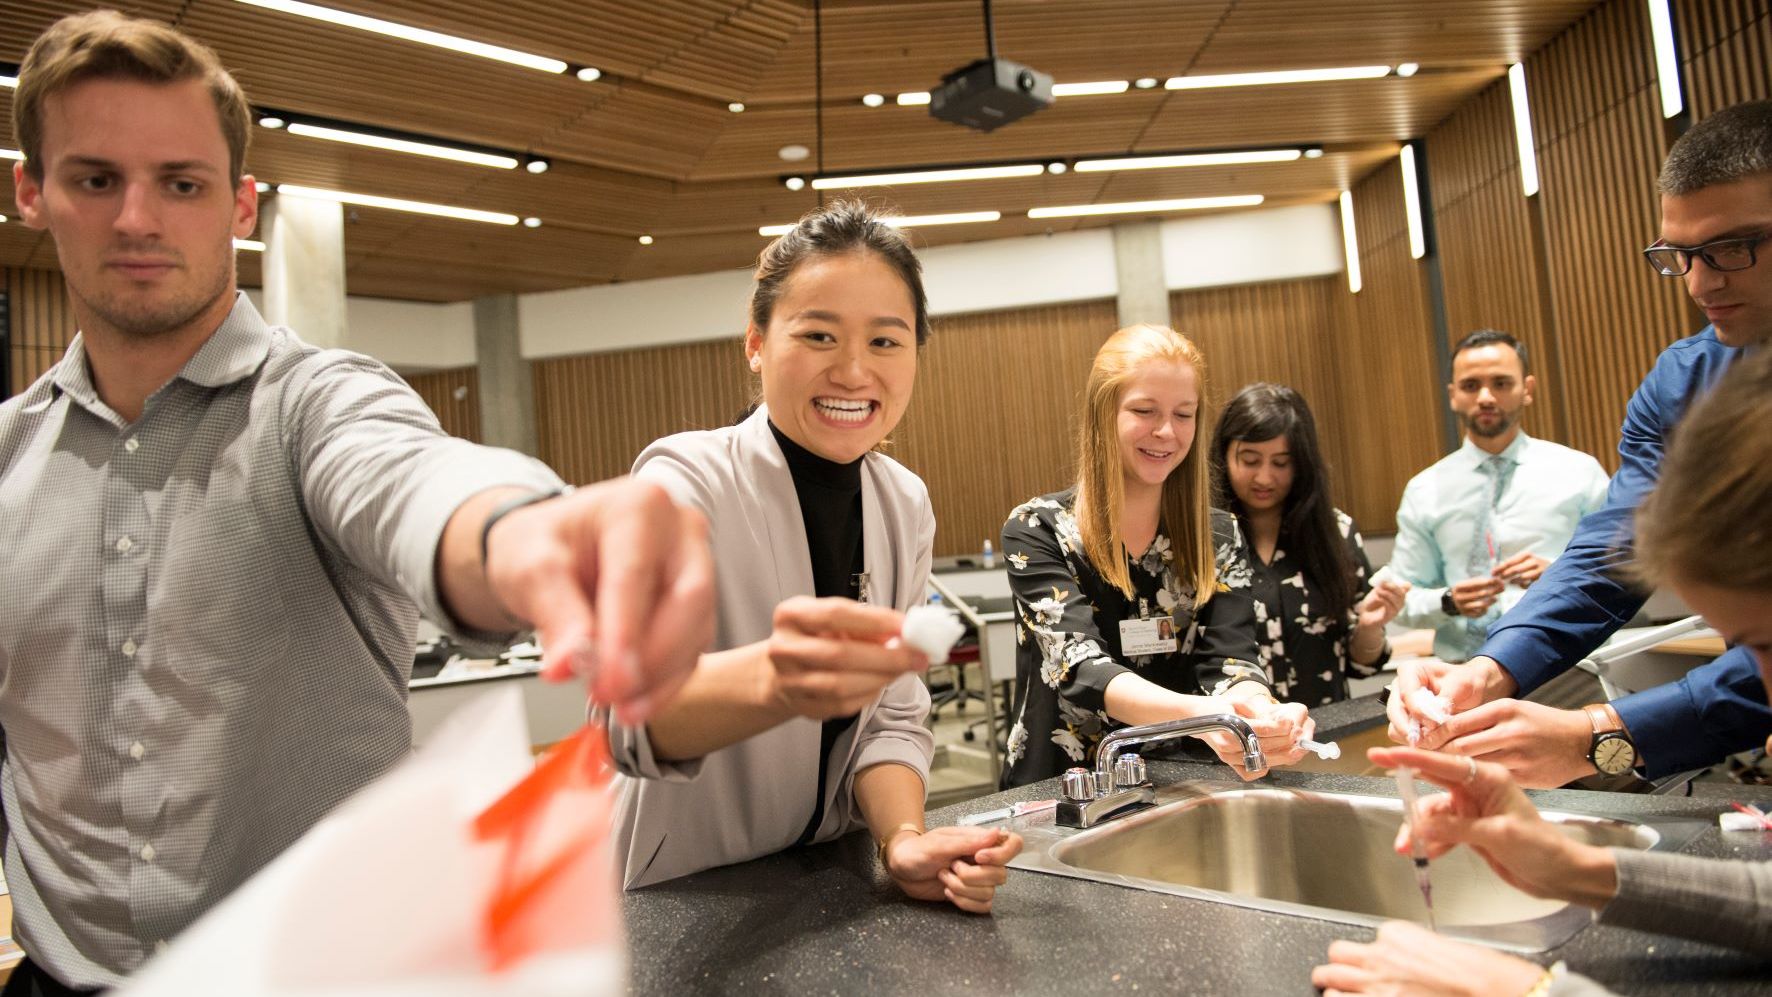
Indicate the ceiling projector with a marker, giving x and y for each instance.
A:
(990, 93)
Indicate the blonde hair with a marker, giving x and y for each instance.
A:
(1186, 507)
(104, 44)
(1706, 519)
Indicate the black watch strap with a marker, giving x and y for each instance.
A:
(1448, 605)
(507, 507)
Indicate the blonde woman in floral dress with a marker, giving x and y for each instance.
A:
(1094, 568)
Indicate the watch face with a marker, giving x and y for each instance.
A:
(1614, 755)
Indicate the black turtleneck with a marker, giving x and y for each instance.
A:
(830, 509)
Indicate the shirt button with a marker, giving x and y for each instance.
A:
(136, 751)
(131, 445)
(147, 852)
(124, 544)
(128, 649)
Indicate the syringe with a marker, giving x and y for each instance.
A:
(1417, 847)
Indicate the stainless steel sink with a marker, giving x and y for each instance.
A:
(1321, 855)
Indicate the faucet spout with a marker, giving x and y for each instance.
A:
(1168, 730)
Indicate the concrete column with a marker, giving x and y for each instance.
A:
(304, 268)
(507, 390)
(1138, 262)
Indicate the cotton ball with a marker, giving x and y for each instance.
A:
(1435, 708)
(932, 630)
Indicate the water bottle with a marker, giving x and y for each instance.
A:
(990, 556)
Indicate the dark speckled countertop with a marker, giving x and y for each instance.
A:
(824, 920)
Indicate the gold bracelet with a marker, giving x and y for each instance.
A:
(886, 839)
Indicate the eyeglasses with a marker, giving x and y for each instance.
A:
(1724, 255)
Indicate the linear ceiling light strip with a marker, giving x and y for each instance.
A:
(397, 204)
(423, 36)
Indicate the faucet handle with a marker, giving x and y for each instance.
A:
(1079, 785)
(1129, 771)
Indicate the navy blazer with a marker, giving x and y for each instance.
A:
(1714, 710)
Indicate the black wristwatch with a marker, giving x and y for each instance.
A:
(1612, 751)
(1448, 605)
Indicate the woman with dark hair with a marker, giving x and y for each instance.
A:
(1318, 617)
(805, 720)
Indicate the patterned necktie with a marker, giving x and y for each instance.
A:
(1496, 470)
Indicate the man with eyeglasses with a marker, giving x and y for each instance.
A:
(1716, 228)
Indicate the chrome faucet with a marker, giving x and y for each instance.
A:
(1118, 786)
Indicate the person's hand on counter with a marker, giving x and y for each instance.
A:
(1485, 809)
(963, 865)
(615, 578)
(1407, 958)
(1461, 686)
(1541, 746)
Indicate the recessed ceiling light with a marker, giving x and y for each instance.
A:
(794, 183)
(1145, 82)
(872, 99)
(248, 245)
(10, 82)
(1089, 89)
(271, 121)
(1147, 207)
(913, 99)
(12, 154)
(537, 164)
(927, 176)
(1275, 77)
(2, 219)
(433, 150)
(1313, 153)
(532, 222)
(793, 153)
(404, 31)
(1055, 168)
(736, 107)
(909, 221)
(590, 74)
(261, 186)
(646, 240)
(397, 204)
(1188, 159)
(1407, 69)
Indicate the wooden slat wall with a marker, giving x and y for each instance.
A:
(595, 413)
(994, 415)
(1727, 49)
(42, 323)
(1600, 144)
(993, 420)
(1392, 421)
(455, 396)
(1491, 271)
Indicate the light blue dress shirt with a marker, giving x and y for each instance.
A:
(1550, 488)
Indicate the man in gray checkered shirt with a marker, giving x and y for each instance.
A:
(218, 539)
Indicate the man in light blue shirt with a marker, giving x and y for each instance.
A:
(1484, 522)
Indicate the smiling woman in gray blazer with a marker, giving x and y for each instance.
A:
(805, 720)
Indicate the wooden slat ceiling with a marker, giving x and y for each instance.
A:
(652, 149)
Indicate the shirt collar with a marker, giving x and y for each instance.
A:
(236, 349)
(1514, 454)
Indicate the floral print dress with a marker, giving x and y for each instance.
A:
(1068, 632)
(1303, 647)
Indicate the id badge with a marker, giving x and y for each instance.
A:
(1153, 636)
